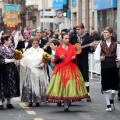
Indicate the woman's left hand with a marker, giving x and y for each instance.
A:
(41, 65)
(17, 62)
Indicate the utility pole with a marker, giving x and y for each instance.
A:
(43, 14)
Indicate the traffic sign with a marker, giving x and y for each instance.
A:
(59, 13)
(47, 13)
(58, 20)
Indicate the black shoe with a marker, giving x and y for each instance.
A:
(66, 109)
(88, 99)
(30, 104)
(10, 106)
(59, 104)
(118, 98)
(3, 100)
(2, 107)
(37, 104)
(108, 109)
(112, 104)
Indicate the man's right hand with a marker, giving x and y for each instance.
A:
(12, 60)
(102, 58)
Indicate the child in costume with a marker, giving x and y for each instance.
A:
(54, 44)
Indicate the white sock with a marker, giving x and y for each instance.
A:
(8, 100)
(112, 95)
(66, 103)
(1, 102)
(107, 97)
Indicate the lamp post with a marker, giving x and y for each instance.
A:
(43, 14)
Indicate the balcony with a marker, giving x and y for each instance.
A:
(31, 3)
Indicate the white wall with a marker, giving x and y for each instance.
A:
(31, 2)
(50, 3)
(44, 4)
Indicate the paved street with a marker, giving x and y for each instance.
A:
(81, 110)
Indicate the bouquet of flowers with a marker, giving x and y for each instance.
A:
(46, 57)
(18, 55)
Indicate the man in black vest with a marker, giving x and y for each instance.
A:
(82, 58)
(24, 45)
(42, 42)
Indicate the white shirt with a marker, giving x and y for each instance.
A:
(26, 44)
(98, 51)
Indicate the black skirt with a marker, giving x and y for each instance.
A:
(109, 75)
(109, 79)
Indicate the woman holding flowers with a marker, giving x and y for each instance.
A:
(33, 75)
(66, 83)
(10, 82)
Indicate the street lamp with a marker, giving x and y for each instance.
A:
(43, 14)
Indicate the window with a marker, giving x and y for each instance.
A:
(6, 1)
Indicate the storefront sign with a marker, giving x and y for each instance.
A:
(58, 4)
(59, 13)
(47, 13)
(104, 4)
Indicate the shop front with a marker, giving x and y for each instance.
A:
(106, 14)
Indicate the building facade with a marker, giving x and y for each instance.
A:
(82, 11)
(92, 13)
(105, 15)
(32, 14)
(47, 14)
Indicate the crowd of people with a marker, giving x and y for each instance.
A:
(29, 77)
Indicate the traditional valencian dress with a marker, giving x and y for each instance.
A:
(2, 63)
(66, 82)
(10, 80)
(34, 80)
